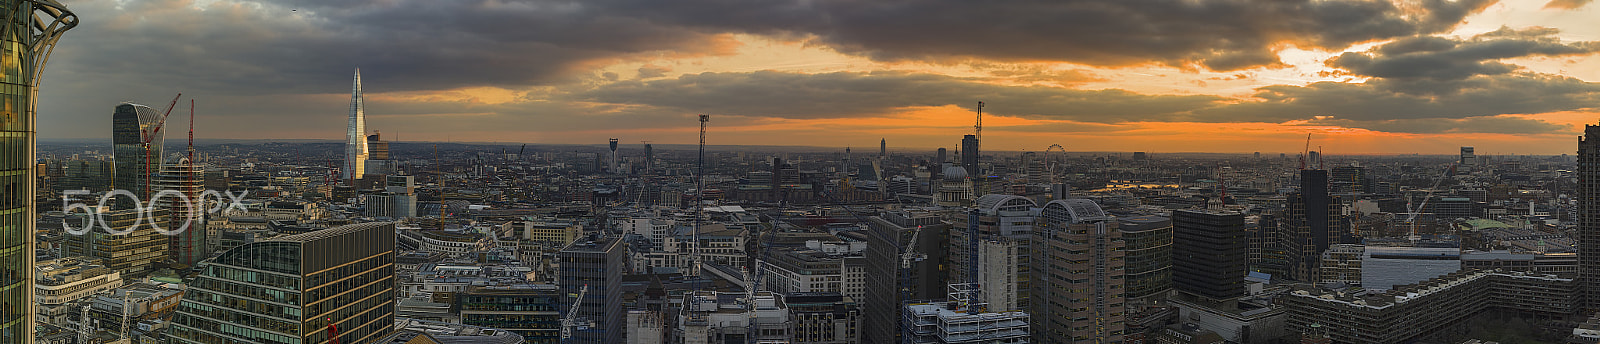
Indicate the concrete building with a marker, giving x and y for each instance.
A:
(290, 289)
(953, 321)
(1412, 312)
(1082, 298)
(1004, 224)
(134, 253)
(824, 318)
(1342, 264)
(1546, 263)
(60, 282)
(397, 201)
(710, 317)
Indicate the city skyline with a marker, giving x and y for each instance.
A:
(1509, 77)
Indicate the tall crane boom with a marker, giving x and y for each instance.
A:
(147, 136)
(978, 128)
(569, 321)
(699, 199)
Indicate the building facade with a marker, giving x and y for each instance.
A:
(1589, 215)
(303, 288)
(1149, 259)
(1208, 253)
(597, 264)
(188, 246)
(530, 310)
(1078, 293)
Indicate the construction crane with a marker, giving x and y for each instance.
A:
(699, 199)
(570, 321)
(1305, 153)
(1412, 218)
(149, 135)
(978, 129)
(85, 330)
(125, 313)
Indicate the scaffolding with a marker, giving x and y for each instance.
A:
(955, 321)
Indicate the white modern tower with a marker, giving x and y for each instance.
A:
(355, 148)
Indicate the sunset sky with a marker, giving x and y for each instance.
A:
(1364, 77)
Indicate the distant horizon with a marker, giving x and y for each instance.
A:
(816, 149)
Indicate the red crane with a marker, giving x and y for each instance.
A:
(149, 135)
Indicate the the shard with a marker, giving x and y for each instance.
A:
(355, 148)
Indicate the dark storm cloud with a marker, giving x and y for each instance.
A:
(1369, 104)
(1376, 100)
(300, 46)
(311, 47)
(846, 94)
(1445, 59)
(1214, 34)
(1482, 125)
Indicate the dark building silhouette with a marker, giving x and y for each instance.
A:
(1209, 253)
(1306, 227)
(1589, 216)
(969, 155)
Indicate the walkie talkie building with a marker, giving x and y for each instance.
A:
(29, 34)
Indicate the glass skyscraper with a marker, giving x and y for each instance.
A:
(137, 150)
(27, 38)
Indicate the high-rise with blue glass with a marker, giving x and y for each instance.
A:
(28, 36)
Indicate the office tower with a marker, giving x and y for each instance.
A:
(1209, 253)
(1589, 215)
(649, 157)
(883, 148)
(378, 162)
(887, 237)
(136, 152)
(1468, 158)
(1003, 228)
(295, 289)
(596, 263)
(845, 166)
(1314, 159)
(132, 254)
(1081, 299)
(530, 310)
(969, 155)
(1149, 259)
(1306, 227)
(397, 201)
(355, 146)
(613, 167)
(188, 246)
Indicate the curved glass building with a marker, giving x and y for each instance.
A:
(30, 33)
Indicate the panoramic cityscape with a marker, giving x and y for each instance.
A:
(807, 172)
